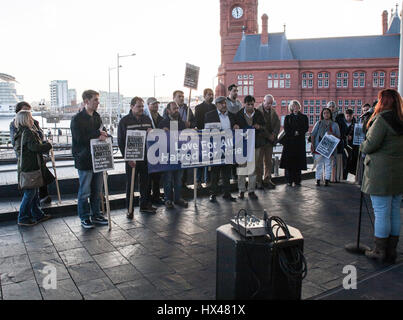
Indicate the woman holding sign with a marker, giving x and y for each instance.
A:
(324, 126)
(383, 173)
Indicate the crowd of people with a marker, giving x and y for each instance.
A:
(381, 154)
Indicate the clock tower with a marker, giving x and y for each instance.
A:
(237, 16)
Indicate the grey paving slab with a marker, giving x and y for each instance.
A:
(122, 273)
(97, 246)
(141, 289)
(75, 256)
(110, 259)
(95, 286)
(85, 272)
(65, 290)
(27, 290)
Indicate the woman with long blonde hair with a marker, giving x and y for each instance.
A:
(383, 173)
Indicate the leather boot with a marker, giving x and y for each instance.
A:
(379, 251)
(391, 253)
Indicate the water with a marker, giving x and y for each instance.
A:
(5, 123)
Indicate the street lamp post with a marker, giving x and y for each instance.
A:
(117, 67)
(162, 75)
(109, 94)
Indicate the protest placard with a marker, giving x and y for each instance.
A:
(327, 145)
(102, 161)
(359, 135)
(135, 145)
(191, 76)
(102, 155)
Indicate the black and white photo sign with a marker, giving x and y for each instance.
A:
(102, 155)
(135, 145)
(327, 145)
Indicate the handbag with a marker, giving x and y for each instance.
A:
(281, 139)
(31, 179)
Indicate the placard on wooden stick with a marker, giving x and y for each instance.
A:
(191, 77)
(135, 145)
(134, 151)
(102, 161)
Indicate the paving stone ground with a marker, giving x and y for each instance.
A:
(172, 254)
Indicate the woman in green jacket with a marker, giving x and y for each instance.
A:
(383, 173)
(30, 212)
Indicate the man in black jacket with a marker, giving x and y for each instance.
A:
(172, 180)
(155, 178)
(200, 111)
(250, 118)
(87, 125)
(226, 121)
(136, 120)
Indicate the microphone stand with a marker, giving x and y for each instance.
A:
(356, 247)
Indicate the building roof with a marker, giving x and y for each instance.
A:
(394, 26)
(359, 47)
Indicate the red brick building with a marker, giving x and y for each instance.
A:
(347, 70)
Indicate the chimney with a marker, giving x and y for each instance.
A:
(265, 34)
(384, 22)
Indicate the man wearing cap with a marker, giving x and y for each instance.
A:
(136, 120)
(155, 178)
(200, 111)
(227, 122)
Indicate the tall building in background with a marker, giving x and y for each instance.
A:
(347, 70)
(72, 97)
(8, 95)
(59, 94)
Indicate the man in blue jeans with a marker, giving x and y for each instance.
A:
(87, 125)
(173, 179)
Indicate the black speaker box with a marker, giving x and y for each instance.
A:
(249, 268)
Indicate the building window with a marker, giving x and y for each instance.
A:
(288, 84)
(340, 102)
(269, 76)
(283, 103)
(311, 102)
(346, 103)
(275, 84)
(305, 109)
(323, 80)
(317, 118)
(307, 83)
(352, 103)
(317, 109)
(358, 110)
(378, 79)
(270, 84)
(393, 79)
(246, 84)
(305, 102)
(359, 102)
(282, 84)
(359, 79)
(287, 76)
(324, 103)
(311, 110)
(311, 120)
(342, 80)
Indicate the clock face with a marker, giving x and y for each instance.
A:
(237, 12)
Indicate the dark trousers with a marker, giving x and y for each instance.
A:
(225, 171)
(43, 192)
(154, 186)
(293, 175)
(142, 172)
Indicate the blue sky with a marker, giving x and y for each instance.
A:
(77, 40)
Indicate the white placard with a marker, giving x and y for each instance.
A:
(102, 155)
(327, 145)
(135, 145)
(213, 125)
(359, 135)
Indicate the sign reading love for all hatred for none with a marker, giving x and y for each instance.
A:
(135, 145)
(327, 145)
(359, 134)
(177, 150)
(191, 76)
(102, 155)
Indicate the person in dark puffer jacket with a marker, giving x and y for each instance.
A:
(30, 159)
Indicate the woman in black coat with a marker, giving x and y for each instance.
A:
(293, 157)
